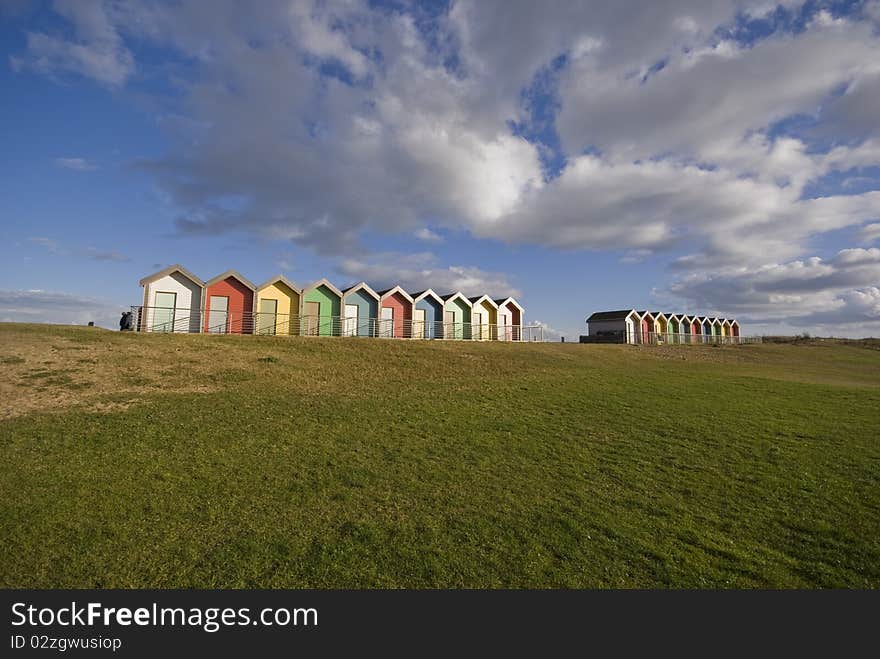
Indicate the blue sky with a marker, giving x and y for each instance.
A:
(709, 157)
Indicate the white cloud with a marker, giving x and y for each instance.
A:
(718, 93)
(285, 262)
(870, 232)
(414, 139)
(420, 271)
(94, 50)
(76, 164)
(93, 253)
(96, 254)
(37, 306)
(544, 331)
(654, 204)
(426, 235)
(385, 155)
(839, 292)
(851, 113)
(313, 25)
(50, 245)
(420, 141)
(506, 43)
(872, 11)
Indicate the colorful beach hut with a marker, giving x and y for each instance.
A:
(278, 306)
(360, 308)
(734, 330)
(321, 306)
(456, 316)
(684, 328)
(706, 325)
(229, 304)
(673, 328)
(427, 322)
(661, 326)
(172, 301)
(725, 330)
(646, 326)
(716, 329)
(696, 329)
(396, 307)
(484, 318)
(510, 319)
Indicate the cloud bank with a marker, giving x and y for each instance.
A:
(698, 130)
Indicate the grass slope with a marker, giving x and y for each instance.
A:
(190, 461)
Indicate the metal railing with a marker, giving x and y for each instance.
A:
(667, 338)
(162, 319)
(193, 321)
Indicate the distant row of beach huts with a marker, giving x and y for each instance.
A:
(653, 327)
(175, 300)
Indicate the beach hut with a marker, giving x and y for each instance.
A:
(278, 306)
(484, 318)
(725, 330)
(684, 328)
(321, 306)
(427, 321)
(661, 326)
(707, 329)
(696, 329)
(510, 319)
(673, 328)
(229, 304)
(646, 335)
(172, 301)
(622, 326)
(734, 330)
(396, 307)
(360, 310)
(456, 316)
(716, 329)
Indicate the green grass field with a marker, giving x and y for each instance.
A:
(192, 461)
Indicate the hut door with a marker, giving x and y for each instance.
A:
(163, 314)
(505, 320)
(418, 324)
(312, 314)
(387, 322)
(477, 322)
(449, 330)
(218, 315)
(268, 317)
(351, 320)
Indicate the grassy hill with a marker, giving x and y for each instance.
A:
(132, 460)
